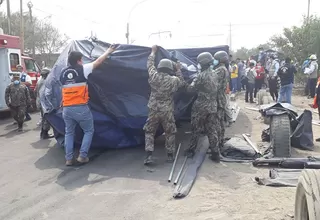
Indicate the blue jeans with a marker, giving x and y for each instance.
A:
(234, 82)
(73, 115)
(285, 92)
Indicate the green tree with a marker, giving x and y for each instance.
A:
(300, 42)
(244, 53)
(47, 38)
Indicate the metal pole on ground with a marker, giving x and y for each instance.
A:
(174, 164)
(180, 172)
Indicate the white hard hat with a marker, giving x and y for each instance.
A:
(313, 57)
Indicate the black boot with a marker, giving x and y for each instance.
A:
(215, 156)
(41, 134)
(170, 158)
(45, 135)
(149, 159)
(20, 127)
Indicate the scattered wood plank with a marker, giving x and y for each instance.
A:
(251, 144)
(252, 109)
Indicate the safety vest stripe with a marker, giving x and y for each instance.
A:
(74, 85)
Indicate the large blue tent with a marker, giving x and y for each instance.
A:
(119, 92)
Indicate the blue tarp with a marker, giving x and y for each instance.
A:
(192, 53)
(119, 92)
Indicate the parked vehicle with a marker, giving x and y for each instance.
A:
(10, 57)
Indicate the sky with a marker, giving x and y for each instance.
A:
(192, 23)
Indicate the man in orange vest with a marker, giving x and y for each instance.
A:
(75, 99)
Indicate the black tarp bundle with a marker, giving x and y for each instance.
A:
(302, 137)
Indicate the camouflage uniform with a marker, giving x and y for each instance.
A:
(18, 99)
(204, 110)
(222, 73)
(161, 106)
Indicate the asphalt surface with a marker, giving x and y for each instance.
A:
(35, 183)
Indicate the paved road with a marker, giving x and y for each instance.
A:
(35, 184)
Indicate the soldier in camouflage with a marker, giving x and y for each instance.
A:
(17, 99)
(204, 109)
(40, 92)
(220, 61)
(164, 84)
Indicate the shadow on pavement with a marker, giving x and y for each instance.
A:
(121, 163)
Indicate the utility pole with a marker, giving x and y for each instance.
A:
(308, 15)
(9, 17)
(21, 27)
(30, 5)
(127, 34)
(230, 39)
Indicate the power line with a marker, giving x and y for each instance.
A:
(49, 13)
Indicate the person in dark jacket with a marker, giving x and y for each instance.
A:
(259, 78)
(286, 74)
(251, 76)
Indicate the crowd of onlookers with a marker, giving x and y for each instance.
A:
(268, 71)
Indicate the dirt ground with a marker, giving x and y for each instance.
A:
(35, 184)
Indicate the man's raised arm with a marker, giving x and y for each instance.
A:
(150, 64)
(104, 56)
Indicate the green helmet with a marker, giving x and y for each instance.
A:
(204, 58)
(165, 63)
(45, 71)
(221, 56)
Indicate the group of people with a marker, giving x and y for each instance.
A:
(208, 110)
(270, 73)
(18, 99)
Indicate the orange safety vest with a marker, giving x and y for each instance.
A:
(75, 94)
(315, 103)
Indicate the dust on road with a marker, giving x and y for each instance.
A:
(35, 184)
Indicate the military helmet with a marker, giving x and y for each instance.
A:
(205, 58)
(221, 56)
(165, 63)
(45, 71)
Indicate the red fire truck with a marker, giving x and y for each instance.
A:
(10, 57)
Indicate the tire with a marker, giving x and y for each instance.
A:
(280, 131)
(307, 201)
